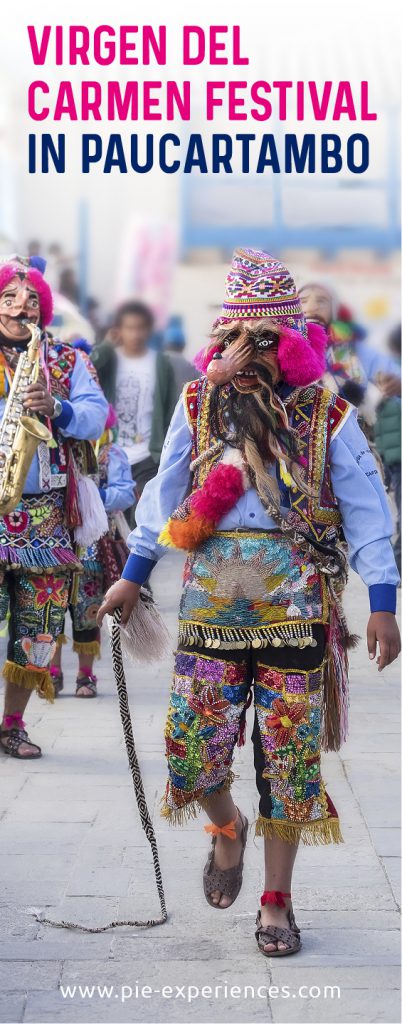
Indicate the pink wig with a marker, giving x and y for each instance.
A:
(35, 278)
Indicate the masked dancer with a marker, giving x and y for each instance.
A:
(45, 385)
(260, 469)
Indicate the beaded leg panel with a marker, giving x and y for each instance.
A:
(207, 700)
(288, 704)
(37, 609)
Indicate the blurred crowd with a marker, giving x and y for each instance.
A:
(142, 370)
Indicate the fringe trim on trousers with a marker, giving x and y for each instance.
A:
(30, 679)
(191, 810)
(61, 640)
(311, 833)
(91, 647)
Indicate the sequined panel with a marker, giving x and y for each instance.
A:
(288, 706)
(38, 604)
(202, 725)
(250, 581)
(89, 597)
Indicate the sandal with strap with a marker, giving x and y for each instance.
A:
(272, 933)
(16, 734)
(226, 881)
(88, 680)
(57, 679)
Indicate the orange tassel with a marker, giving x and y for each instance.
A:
(191, 532)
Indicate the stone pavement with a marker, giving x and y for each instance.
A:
(71, 844)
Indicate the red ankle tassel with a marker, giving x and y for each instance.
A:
(273, 896)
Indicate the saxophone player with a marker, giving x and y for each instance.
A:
(37, 556)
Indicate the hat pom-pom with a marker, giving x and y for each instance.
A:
(38, 262)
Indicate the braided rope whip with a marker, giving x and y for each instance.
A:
(118, 668)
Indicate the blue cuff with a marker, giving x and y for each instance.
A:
(137, 568)
(102, 492)
(62, 421)
(382, 597)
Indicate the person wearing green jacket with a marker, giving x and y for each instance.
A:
(140, 384)
(388, 434)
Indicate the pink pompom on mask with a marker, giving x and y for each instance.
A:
(203, 358)
(302, 361)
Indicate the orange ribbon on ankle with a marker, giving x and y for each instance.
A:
(228, 830)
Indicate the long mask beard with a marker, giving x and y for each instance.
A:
(258, 425)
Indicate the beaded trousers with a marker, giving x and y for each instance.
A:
(37, 603)
(206, 718)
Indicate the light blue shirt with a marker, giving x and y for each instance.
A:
(367, 521)
(119, 491)
(83, 416)
(373, 362)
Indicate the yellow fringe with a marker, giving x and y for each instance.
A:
(164, 536)
(61, 640)
(181, 815)
(312, 833)
(92, 648)
(30, 679)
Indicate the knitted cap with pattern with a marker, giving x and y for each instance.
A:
(258, 285)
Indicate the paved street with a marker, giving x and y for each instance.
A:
(72, 845)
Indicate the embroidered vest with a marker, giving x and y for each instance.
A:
(317, 415)
(56, 464)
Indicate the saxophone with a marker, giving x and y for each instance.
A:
(20, 434)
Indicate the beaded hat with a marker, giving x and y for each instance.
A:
(258, 285)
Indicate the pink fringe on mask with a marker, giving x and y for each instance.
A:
(203, 358)
(318, 339)
(10, 270)
(302, 361)
(222, 489)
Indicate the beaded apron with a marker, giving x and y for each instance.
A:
(34, 535)
(250, 589)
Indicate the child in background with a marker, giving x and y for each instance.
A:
(140, 384)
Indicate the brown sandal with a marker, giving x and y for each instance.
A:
(271, 933)
(226, 881)
(86, 680)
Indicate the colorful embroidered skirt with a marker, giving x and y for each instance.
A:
(245, 589)
(34, 536)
